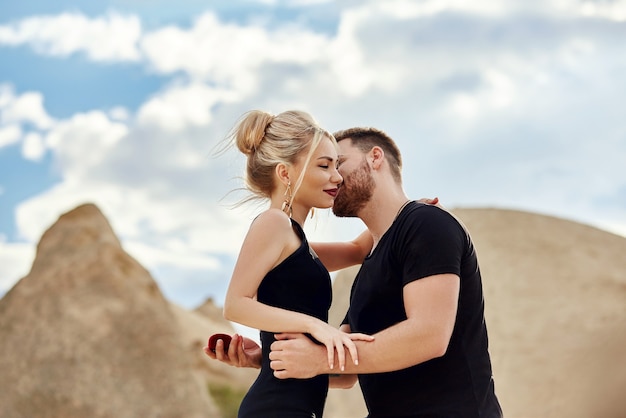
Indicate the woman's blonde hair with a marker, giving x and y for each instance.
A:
(268, 140)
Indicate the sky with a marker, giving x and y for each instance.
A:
(506, 104)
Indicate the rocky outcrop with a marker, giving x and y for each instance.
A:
(555, 295)
(87, 333)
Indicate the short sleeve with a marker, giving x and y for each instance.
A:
(431, 242)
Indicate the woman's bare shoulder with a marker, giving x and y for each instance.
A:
(272, 220)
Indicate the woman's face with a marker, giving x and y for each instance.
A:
(321, 179)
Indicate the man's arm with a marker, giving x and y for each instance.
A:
(431, 307)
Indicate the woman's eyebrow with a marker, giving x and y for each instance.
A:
(325, 157)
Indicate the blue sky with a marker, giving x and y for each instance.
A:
(508, 104)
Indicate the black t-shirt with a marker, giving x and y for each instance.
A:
(425, 240)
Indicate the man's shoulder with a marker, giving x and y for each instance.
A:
(424, 210)
(437, 219)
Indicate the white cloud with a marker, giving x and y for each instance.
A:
(6, 95)
(410, 9)
(112, 37)
(26, 108)
(10, 134)
(33, 147)
(229, 54)
(172, 253)
(303, 3)
(82, 142)
(119, 113)
(182, 106)
(611, 10)
(407, 9)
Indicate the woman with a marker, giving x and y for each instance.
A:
(279, 284)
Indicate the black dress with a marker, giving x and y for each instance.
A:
(300, 283)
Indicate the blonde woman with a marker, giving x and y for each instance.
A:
(279, 284)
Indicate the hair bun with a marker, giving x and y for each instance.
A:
(251, 130)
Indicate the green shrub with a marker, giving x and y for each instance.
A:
(226, 398)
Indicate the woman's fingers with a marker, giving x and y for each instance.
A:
(353, 352)
(361, 337)
(340, 341)
(330, 350)
(341, 354)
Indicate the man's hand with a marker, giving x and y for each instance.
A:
(296, 356)
(242, 352)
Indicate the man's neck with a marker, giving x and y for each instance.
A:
(382, 210)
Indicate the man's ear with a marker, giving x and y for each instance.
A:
(376, 156)
(282, 172)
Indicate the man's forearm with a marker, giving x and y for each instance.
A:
(398, 347)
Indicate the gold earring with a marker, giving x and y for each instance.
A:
(288, 199)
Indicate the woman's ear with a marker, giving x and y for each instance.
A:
(282, 172)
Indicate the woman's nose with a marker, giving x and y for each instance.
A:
(337, 178)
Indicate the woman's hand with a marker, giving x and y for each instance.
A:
(434, 201)
(242, 352)
(335, 339)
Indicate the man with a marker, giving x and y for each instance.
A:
(419, 292)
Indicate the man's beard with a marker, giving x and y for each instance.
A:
(357, 189)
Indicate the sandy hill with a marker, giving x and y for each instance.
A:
(555, 295)
(87, 333)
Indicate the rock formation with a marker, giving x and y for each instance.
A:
(555, 294)
(87, 333)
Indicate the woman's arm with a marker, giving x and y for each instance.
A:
(338, 255)
(257, 257)
(270, 240)
(342, 381)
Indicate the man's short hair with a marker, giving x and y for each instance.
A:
(367, 138)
